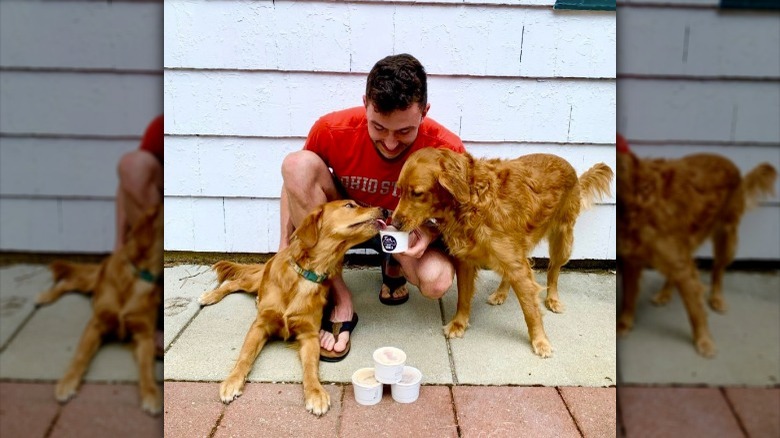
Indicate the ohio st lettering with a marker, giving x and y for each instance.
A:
(370, 185)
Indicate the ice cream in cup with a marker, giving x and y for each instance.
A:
(392, 240)
(389, 364)
(407, 390)
(368, 390)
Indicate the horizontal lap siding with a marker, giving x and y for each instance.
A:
(700, 79)
(244, 82)
(272, 104)
(79, 82)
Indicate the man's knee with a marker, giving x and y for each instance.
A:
(138, 168)
(435, 286)
(301, 164)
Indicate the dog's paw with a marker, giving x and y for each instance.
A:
(455, 329)
(151, 403)
(542, 348)
(44, 298)
(661, 298)
(231, 389)
(317, 401)
(718, 304)
(496, 298)
(208, 298)
(554, 305)
(65, 390)
(705, 346)
(624, 326)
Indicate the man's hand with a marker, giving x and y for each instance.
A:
(419, 239)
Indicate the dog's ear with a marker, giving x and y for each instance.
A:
(309, 230)
(454, 174)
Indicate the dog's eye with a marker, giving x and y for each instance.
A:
(350, 205)
(416, 193)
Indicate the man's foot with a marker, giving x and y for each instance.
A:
(394, 289)
(337, 329)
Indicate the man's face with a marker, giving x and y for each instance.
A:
(394, 133)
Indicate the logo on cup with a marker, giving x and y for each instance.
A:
(389, 243)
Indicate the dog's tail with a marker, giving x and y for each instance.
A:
(594, 183)
(759, 183)
(230, 271)
(81, 276)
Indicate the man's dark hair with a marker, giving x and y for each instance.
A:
(396, 82)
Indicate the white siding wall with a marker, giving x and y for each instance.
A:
(245, 81)
(694, 78)
(79, 82)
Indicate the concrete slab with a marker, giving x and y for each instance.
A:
(19, 286)
(496, 349)
(183, 285)
(659, 350)
(44, 346)
(208, 348)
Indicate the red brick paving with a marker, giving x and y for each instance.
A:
(758, 409)
(593, 409)
(431, 416)
(512, 412)
(672, 412)
(107, 411)
(26, 409)
(276, 410)
(191, 409)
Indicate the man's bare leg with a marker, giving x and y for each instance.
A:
(307, 184)
(140, 188)
(432, 273)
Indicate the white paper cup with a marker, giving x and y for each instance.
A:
(368, 391)
(393, 241)
(408, 389)
(389, 364)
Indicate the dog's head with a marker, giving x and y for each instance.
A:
(341, 223)
(431, 181)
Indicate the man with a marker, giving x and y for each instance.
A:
(140, 188)
(358, 153)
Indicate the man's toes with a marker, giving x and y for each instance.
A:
(341, 345)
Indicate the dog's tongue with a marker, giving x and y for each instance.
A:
(382, 224)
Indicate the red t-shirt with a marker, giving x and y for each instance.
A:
(622, 144)
(153, 139)
(341, 139)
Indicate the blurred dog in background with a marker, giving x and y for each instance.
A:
(126, 295)
(666, 210)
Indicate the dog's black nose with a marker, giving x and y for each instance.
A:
(386, 213)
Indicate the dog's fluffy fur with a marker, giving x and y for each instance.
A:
(492, 213)
(667, 209)
(288, 305)
(124, 305)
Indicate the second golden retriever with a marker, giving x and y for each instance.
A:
(492, 213)
(292, 289)
(667, 209)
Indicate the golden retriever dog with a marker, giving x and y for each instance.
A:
(492, 213)
(292, 289)
(667, 209)
(126, 297)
